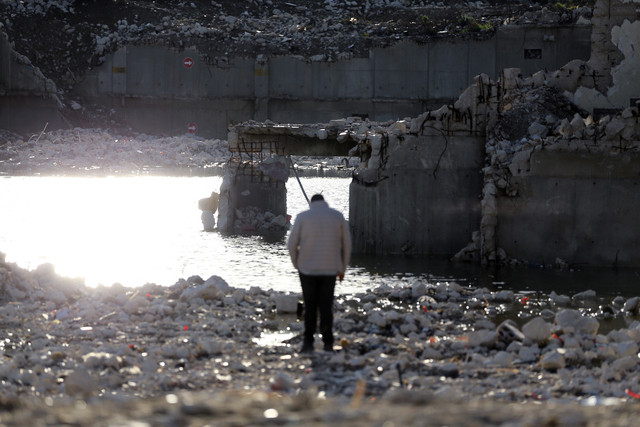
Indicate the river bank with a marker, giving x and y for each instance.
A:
(202, 352)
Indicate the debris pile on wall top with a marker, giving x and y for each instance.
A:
(65, 38)
(534, 115)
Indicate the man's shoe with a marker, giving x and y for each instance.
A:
(329, 348)
(307, 348)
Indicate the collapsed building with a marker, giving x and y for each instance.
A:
(543, 168)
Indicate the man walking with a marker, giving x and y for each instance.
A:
(320, 247)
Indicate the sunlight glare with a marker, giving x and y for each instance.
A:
(109, 228)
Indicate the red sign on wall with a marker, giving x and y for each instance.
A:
(187, 62)
(192, 128)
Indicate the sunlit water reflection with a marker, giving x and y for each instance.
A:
(139, 230)
(135, 230)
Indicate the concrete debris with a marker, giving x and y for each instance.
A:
(552, 361)
(572, 321)
(316, 31)
(199, 335)
(251, 219)
(537, 330)
(287, 303)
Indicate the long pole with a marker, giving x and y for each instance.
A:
(298, 178)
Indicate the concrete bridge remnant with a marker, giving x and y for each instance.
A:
(253, 194)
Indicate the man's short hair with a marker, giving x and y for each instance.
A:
(317, 197)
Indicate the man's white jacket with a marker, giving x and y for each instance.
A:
(319, 241)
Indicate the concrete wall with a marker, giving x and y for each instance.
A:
(28, 100)
(165, 91)
(29, 114)
(425, 201)
(579, 207)
(392, 83)
(575, 206)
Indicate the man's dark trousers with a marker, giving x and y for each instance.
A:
(317, 293)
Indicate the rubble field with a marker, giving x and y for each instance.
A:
(202, 352)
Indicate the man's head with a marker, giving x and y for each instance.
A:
(316, 197)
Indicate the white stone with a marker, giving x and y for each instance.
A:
(214, 288)
(585, 295)
(626, 349)
(134, 305)
(626, 363)
(538, 130)
(538, 78)
(502, 359)
(511, 78)
(632, 304)
(561, 300)
(467, 99)
(552, 361)
(377, 319)
(238, 295)
(529, 354)
(537, 330)
(282, 382)
(55, 295)
(614, 127)
(322, 134)
(286, 303)
(343, 136)
(391, 316)
(482, 338)
(502, 296)
(573, 321)
(418, 289)
(96, 360)
(520, 164)
(440, 112)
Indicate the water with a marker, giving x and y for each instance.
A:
(136, 230)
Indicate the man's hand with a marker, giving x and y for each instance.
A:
(340, 276)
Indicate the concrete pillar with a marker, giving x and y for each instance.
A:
(423, 202)
(247, 190)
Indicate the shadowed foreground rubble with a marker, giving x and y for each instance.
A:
(201, 352)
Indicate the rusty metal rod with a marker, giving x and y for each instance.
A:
(298, 178)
